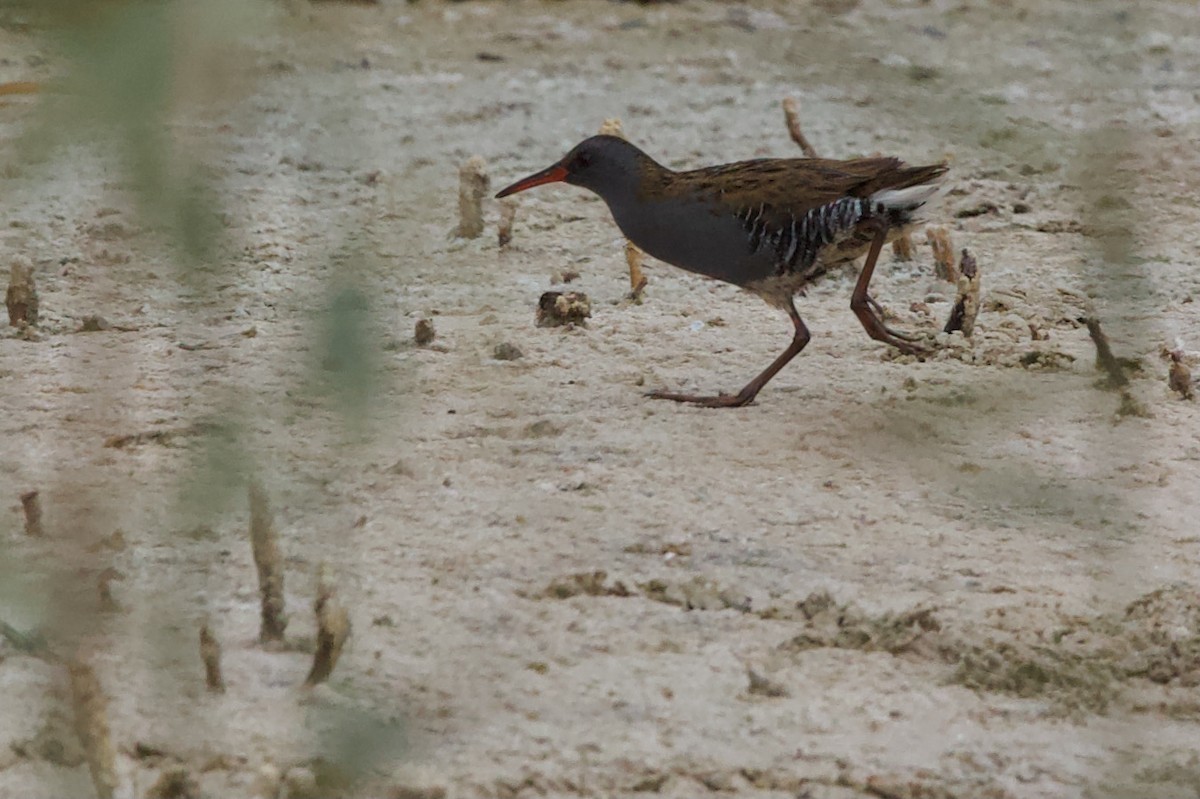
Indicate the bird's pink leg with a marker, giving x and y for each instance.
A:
(865, 308)
(750, 391)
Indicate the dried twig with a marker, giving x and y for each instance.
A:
(791, 113)
(633, 255)
(333, 627)
(1104, 355)
(21, 298)
(32, 506)
(508, 213)
(966, 304)
(104, 586)
(473, 185)
(210, 653)
(91, 725)
(943, 253)
(637, 281)
(31, 643)
(267, 557)
(18, 87)
(1114, 369)
(1180, 377)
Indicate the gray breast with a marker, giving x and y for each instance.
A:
(695, 236)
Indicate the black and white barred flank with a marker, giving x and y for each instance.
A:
(798, 243)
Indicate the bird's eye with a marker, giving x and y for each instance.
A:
(581, 160)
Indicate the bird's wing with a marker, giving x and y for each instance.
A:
(797, 206)
(795, 186)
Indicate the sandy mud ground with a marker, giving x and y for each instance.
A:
(975, 575)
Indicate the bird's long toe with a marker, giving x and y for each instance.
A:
(718, 401)
(907, 344)
(900, 334)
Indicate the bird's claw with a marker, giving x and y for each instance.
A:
(901, 335)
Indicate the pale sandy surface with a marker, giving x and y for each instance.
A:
(982, 520)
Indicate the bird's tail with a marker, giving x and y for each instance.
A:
(913, 187)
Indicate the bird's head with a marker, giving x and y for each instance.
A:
(602, 164)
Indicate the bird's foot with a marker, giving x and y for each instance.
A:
(880, 314)
(905, 342)
(873, 323)
(719, 401)
(900, 334)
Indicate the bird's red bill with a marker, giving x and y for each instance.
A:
(552, 174)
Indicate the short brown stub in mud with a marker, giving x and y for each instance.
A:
(556, 308)
(966, 303)
(21, 297)
(333, 628)
(210, 653)
(473, 183)
(269, 561)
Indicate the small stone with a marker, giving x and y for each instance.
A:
(978, 208)
(504, 351)
(566, 276)
(423, 332)
(56, 743)
(175, 783)
(301, 783)
(763, 686)
(266, 783)
(921, 72)
(543, 428)
(94, 324)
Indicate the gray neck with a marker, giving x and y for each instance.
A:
(623, 183)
